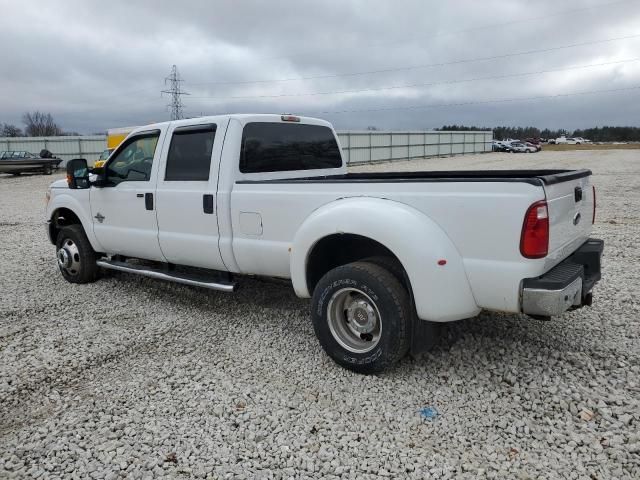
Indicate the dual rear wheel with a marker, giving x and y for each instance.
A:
(362, 315)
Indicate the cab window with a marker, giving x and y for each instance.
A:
(273, 147)
(189, 157)
(133, 161)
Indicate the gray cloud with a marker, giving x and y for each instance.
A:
(100, 65)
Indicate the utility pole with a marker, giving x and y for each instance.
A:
(175, 90)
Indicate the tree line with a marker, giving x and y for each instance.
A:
(596, 134)
(36, 124)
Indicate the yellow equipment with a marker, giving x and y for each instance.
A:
(115, 136)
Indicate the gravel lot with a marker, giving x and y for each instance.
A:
(131, 377)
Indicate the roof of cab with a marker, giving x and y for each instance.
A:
(243, 117)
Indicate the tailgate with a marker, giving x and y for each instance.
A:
(570, 200)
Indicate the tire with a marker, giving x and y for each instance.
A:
(391, 265)
(362, 317)
(76, 257)
(47, 170)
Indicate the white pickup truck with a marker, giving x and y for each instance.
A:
(382, 255)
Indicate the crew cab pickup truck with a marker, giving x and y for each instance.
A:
(384, 256)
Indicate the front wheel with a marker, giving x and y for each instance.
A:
(362, 317)
(76, 257)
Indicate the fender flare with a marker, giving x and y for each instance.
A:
(441, 292)
(70, 202)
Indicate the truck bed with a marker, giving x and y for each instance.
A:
(533, 177)
(481, 211)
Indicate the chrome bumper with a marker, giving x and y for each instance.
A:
(567, 285)
(537, 301)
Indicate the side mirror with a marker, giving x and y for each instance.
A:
(78, 173)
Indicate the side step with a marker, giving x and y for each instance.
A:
(194, 280)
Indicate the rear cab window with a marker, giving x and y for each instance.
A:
(280, 147)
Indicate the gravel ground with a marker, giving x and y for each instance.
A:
(135, 378)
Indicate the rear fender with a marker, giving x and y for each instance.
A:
(441, 291)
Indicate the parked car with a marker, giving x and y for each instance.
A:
(570, 140)
(580, 140)
(383, 256)
(521, 147)
(498, 146)
(17, 162)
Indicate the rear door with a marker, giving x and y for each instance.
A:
(186, 194)
(570, 203)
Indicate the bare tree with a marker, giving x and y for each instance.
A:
(9, 130)
(40, 124)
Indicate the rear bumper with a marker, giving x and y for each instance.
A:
(567, 285)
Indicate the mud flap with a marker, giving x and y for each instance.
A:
(424, 336)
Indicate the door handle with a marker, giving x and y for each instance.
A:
(139, 195)
(207, 203)
(148, 201)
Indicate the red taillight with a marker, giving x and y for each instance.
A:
(593, 219)
(289, 118)
(534, 242)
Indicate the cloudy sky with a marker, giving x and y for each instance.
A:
(391, 64)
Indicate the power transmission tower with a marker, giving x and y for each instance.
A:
(175, 90)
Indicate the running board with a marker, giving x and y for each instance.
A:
(186, 279)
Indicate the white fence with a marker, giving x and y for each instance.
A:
(357, 146)
(381, 146)
(66, 148)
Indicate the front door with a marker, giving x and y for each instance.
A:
(124, 210)
(186, 194)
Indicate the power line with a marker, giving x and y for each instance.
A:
(426, 65)
(176, 92)
(526, 19)
(412, 85)
(478, 102)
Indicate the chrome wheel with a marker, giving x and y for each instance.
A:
(354, 320)
(69, 257)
